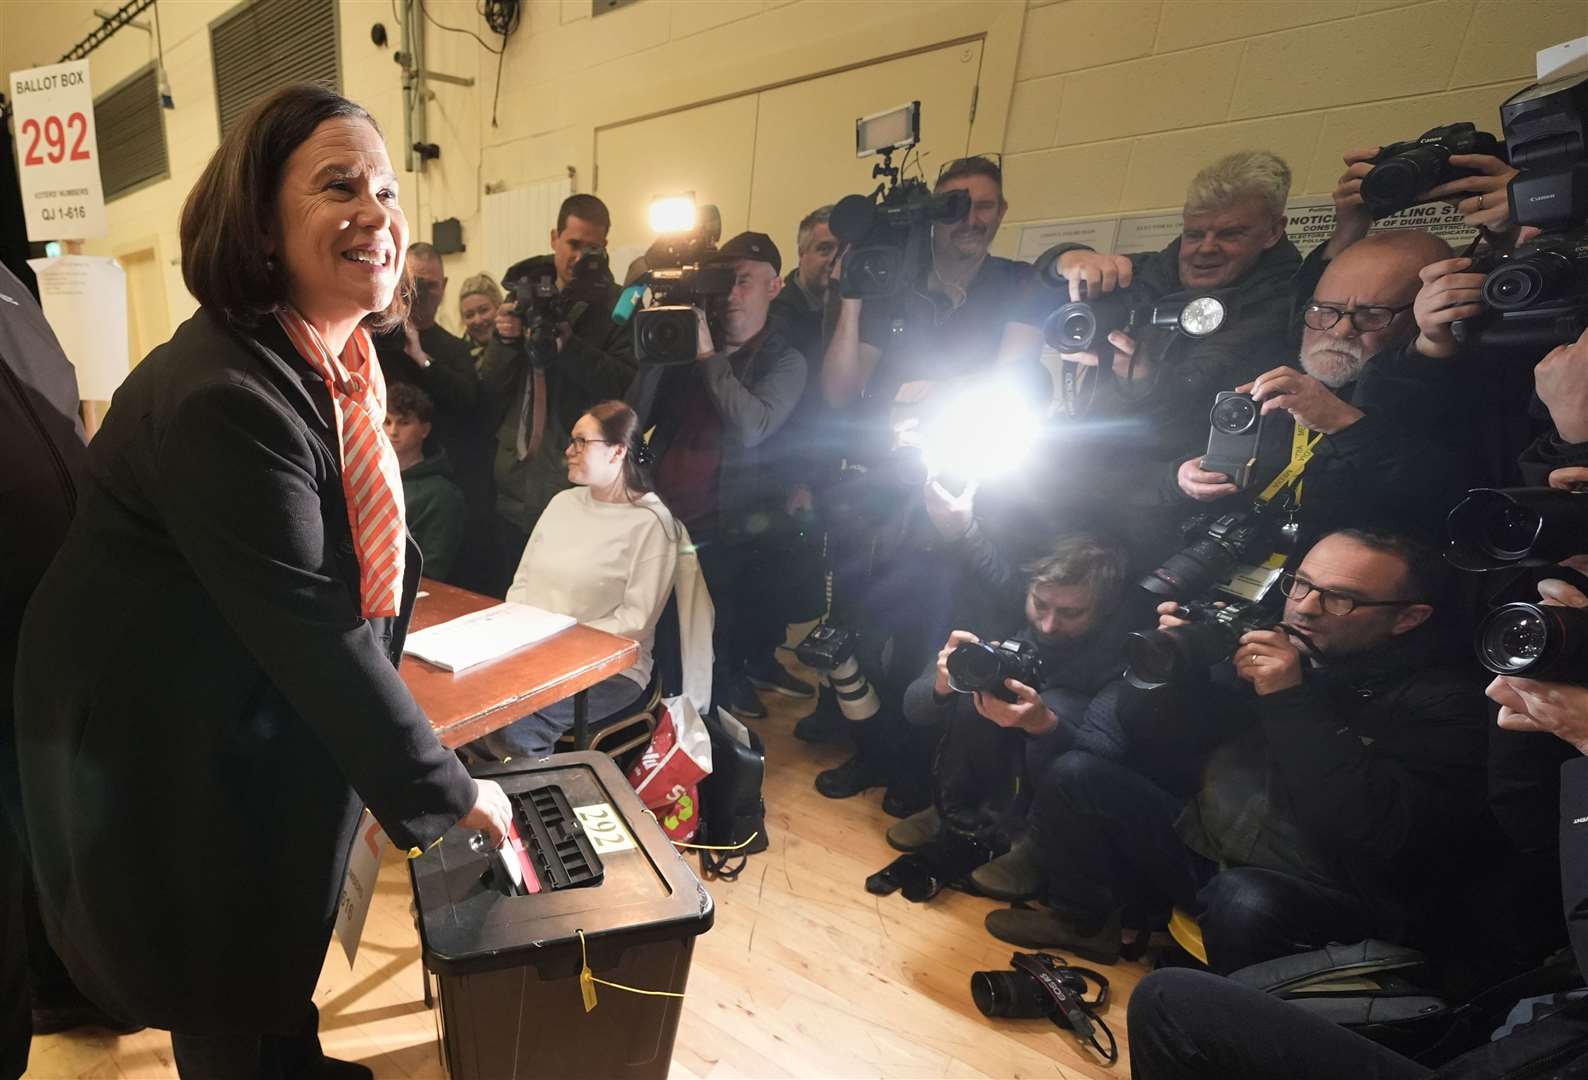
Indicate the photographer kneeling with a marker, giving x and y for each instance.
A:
(1001, 729)
(1354, 765)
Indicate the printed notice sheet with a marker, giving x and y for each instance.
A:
(484, 635)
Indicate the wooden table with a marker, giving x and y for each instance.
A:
(479, 700)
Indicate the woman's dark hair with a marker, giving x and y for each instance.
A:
(620, 426)
(229, 214)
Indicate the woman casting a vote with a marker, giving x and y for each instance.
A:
(207, 682)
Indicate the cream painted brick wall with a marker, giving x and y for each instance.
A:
(1130, 122)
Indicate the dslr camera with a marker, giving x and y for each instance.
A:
(980, 667)
(1217, 545)
(886, 232)
(1084, 325)
(1537, 297)
(666, 333)
(1161, 656)
(1403, 171)
(1535, 641)
(543, 307)
(831, 650)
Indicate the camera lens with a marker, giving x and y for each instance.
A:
(1509, 532)
(1234, 415)
(1154, 658)
(1191, 572)
(1536, 641)
(1523, 282)
(1009, 994)
(1072, 328)
(1393, 185)
(973, 666)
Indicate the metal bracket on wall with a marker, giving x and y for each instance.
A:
(122, 16)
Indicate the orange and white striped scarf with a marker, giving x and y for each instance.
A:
(371, 479)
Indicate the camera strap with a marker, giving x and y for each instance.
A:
(1302, 445)
(1071, 1009)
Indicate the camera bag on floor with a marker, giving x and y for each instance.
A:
(732, 810)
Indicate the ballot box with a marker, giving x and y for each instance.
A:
(501, 930)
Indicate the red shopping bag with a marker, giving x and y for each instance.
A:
(678, 758)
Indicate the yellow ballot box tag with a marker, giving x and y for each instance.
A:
(587, 988)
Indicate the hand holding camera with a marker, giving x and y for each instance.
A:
(1449, 293)
(1561, 380)
(1269, 660)
(509, 327)
(1203, 485)
(1352, 219)
(1026, 713)
(1559, 708)
(950, 514)
(1482, 196)
(944, 685)
(1314, 406)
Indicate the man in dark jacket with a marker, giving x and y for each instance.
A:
(1369, 408)
(533, 403)
(1162, 382)
(1348, 782)
(1075, 616)
(1181, 1021)
(712, 422)
(41, 442)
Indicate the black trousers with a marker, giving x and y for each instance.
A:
(1190, 1025)
(1107, 843)
(16, 1023)
(255, 1056)
(749, 591)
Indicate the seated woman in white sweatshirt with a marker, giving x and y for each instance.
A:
(604, 552)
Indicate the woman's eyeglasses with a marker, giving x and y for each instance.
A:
(579, 442)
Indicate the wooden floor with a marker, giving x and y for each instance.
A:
(805, 974)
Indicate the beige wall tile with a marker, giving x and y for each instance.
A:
(1389, 54)
(1157, 94)
(1085, 33)
(1033, 114)
(1073, 182)
(1506, 35)
(693, 16)
(1189, 23)
(1163, 164)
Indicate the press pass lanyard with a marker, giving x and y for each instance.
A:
(1301, 449)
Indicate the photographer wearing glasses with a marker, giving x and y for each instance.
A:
(1350, 772)
(1367, 411)
(533, 397)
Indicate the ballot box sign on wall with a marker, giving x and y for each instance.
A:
(57, 152)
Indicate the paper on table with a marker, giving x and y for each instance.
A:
(484, 635)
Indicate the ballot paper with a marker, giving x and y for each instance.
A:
(484, 635)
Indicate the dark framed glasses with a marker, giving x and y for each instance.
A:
(1298, 588)
(1365, 319)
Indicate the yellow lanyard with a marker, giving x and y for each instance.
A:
(1301, 448)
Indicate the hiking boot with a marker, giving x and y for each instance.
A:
(1033, 928)
(768, 674)
(825, 723)
(860, 772)
(1014, 875)
(915, 831)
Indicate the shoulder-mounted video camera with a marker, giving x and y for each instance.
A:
(886, 233)
(1403, 171)
(667, 332)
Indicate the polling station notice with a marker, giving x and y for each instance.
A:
(62, 197)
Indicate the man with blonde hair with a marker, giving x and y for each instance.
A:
(1232, 246)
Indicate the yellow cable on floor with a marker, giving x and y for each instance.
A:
(587, 981)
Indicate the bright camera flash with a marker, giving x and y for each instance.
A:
(672, 214)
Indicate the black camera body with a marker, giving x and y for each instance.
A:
(667, 333)
(1161, 656)
(1220, 544)
(1084, 325)
(887, 234)
(826, 648)
(1235, 428)
(1535, 298)
(1546, 131)
(982, 666)
(543, 307)
(1403, 171)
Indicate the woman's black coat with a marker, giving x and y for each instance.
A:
(199, 698)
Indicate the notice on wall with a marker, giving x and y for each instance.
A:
(1095, 233)
(85, 302)
(57, 153)
(1147, 232)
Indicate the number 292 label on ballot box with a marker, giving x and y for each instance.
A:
(63, 197)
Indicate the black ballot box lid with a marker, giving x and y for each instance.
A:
(646, 891)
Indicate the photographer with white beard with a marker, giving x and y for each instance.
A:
(1367, 403)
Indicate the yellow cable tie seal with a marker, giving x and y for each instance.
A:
(588, 981)
(746, 842)
(414, 853)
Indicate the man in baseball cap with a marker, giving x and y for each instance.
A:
(711, 424)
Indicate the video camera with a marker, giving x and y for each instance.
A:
(886, 232)
(543, 307)
(982, 666)
(1403, 171)
(667, 333)
(1537, 297)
